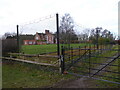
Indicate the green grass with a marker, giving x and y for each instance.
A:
(19, 75)
(39, 49)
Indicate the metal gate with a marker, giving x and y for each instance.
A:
(88, 61)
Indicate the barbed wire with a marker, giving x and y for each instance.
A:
(82, 26)
(37, 20)
(78, 27)
(77, 24)
(36, 24)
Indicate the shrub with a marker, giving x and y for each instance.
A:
(9, 45)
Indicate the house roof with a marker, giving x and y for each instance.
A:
(44, 34)
(41, 34)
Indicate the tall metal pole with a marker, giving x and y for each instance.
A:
(18, 38)
(97, 35)
(58, 42)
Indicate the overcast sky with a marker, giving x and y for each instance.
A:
(89, 13)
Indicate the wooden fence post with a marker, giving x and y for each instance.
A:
(94, 48)
(101, 49)
(85, 52)
(62, 63)
(79, 51)
(89, 60)
(72, 54)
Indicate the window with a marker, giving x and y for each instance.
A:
(37, 38)
(30, 42)
(33, 42)
(47, 38)
(25, 42)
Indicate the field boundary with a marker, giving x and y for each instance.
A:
(32, 55)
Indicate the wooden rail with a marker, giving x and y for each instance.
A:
(33, 55)
(26, 61)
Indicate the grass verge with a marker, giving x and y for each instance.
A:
(22, 75)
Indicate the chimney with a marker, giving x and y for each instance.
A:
(46, 31)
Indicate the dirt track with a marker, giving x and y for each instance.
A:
(78, 83)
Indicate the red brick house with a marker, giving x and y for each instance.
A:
(41, 38)
(45, 37)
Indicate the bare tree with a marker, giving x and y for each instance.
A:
(10, 35)
(67, 33)
(100, 36)
(83, 37)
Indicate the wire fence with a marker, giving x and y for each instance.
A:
(40, 31)
(44, 31)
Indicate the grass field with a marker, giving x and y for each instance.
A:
(21, 75)
(40, 49)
